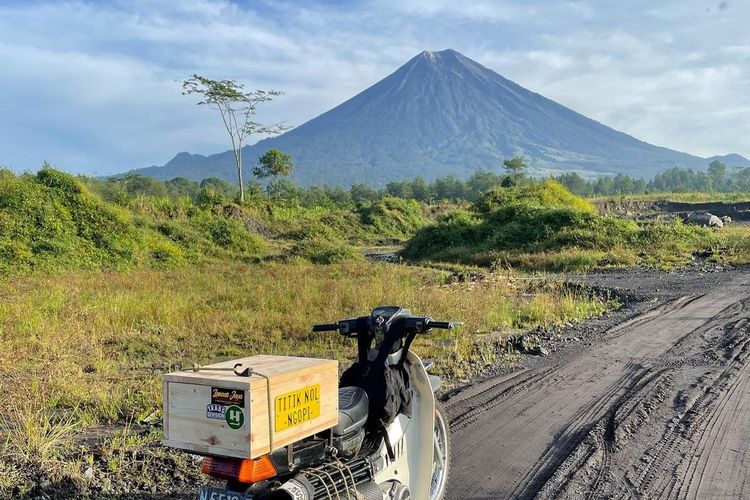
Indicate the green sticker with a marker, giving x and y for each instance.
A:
(235, 417)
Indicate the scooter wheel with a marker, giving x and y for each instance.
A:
(441, 455)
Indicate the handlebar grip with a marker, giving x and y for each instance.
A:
(326, 327)
(445, 325)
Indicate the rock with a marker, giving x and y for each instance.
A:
(726, 219)
(89, 473)
(705, 219)
(538, 351)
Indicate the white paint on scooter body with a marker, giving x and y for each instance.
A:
(412, 438)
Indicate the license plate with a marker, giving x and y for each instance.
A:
(209, 493)
(297, 407)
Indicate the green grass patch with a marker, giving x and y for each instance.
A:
(52, 222)
(542, 227)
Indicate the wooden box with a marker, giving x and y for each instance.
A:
(215, 412)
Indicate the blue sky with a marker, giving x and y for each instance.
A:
(94, 87)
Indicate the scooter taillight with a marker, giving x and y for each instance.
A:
(243, 471)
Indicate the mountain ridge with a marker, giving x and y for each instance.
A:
(442, 113)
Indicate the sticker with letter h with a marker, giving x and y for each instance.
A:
(235, 418)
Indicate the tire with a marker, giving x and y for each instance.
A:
(441, 434)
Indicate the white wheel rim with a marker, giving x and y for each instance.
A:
(440, 452)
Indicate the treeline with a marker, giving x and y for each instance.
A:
(717, 179)
(284, 192)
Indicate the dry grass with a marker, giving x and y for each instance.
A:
(91, 347)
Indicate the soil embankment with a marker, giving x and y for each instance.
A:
(650, 402)
(738, 211)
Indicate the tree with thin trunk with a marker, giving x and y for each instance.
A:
(237, 110)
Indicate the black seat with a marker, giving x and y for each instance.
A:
(353, 410)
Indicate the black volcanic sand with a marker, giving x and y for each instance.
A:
(651, 400)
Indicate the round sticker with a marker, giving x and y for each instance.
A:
(235, 417)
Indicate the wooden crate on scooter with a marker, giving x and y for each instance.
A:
(213, 411)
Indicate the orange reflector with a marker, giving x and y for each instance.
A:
(243, 471)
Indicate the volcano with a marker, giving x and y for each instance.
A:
(442, 113)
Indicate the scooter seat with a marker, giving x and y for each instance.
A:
(353, 410)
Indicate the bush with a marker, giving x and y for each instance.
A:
(543, 227)
(51, 220)
(208, 198)
(164, 253)
(320, 251)
(393, 217)
(547, 194)
(229, 234)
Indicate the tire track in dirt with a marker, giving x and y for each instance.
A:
(723, 430)
(616, 420)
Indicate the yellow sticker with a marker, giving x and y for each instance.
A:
(297, 407)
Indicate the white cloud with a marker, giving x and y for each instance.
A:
(94, 86)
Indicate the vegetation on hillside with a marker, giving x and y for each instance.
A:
(51, 221)
(542, 226)
(676, 183)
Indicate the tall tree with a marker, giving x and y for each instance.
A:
(237, 110)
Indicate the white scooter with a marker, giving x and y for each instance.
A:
(392, 441)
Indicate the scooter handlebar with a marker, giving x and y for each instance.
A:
(326, 327)
(349, 327)
(444, 325)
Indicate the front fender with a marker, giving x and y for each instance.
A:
(421, 437)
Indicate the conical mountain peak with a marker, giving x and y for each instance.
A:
(442, 113)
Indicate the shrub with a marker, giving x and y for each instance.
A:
(51, 220)
(320, 251)
(229, 234)
(208, 198)
(453, 230)
(393, 217)
(541, 226)
(163, 252)
(548, 194)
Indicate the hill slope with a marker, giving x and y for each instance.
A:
(442, 113)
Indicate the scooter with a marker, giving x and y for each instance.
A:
(392, 441)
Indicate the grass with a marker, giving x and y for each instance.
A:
(51, 222)
(542, 227)
(36, 437)
(83, 350)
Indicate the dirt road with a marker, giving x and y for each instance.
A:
(658, 406)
